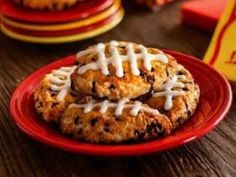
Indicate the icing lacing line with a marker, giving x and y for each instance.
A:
(116, 59)
(60, 80)
(136, 107)
(166, 90)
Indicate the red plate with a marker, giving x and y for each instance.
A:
(65, 32)
(215, 101)
(78, 11)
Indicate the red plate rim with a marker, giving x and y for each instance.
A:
(78, 11)
(157, 145)
(65, 32)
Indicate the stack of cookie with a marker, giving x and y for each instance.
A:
(58, 21)
(118, 92)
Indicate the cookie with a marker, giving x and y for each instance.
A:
(177, 98)
(114, 122)
(53, 94)
(120, 69)
(118, 92)
(46, 4)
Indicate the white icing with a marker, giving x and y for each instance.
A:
(136, 108)
(146, 58)
(133, 60)
(104, 106)
(61, 95)
(88, 107)
(117, 59)
(60, 81)
(119, 107)
(102, 59)
(166, 90)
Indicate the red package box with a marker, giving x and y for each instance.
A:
(203, 13)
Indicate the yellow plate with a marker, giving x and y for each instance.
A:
(63, 39)
(65, 26)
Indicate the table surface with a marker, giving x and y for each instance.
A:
(212, 155)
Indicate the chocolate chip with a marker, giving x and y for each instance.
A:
(93, 59)
(53, 94)
(76, 120)
(167, 73)
(150, 79)
(54, 104)
(117, 118)
(106, 127)
(143, 74)
(99, 98)
(185, 89)
(40, 103)
(112, 87)
(93, 122)
(94, 86)
(180, 121)
(79, 131)
(73, 93)
(180, 72)
(154, 129)
(189, 113)
(139, 135)
(152, 69)
(163, 111)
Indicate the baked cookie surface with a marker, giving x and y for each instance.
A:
(46, 4)
(177, 98)
(119, 69)
(109, 122)
(54, 94)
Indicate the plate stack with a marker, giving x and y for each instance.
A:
(83, 20)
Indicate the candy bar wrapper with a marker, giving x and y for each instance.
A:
(153, 4)
(221, 53)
